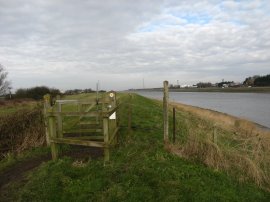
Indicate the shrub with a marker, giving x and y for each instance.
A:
(36, 93)
(22, 130)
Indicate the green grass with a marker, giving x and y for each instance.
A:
(140, 170)
(14, 107)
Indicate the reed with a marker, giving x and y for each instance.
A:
(224, 142)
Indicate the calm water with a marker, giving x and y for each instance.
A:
(252, 106)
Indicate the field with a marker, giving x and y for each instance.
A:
(13, 106)
(142, 169)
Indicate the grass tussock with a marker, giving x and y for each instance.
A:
(21, 130)
(223, 142)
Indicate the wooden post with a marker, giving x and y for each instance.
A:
(53, 134)
(59, 118)
(106, 139)
(47, 101)
(129, 114)
(214, 138)
(174, 123)
(165, 112)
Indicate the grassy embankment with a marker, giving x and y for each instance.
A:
(142, 170)
(223, 142)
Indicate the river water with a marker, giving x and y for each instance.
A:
(251, 106)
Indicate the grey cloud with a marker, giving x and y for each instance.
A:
(115, 40)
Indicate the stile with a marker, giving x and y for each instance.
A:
(106, 116)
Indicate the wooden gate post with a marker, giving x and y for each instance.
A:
(165, 112)
(59, 118)
(47, 101)
(106, 139)
(53, 134)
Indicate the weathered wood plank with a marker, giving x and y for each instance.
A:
(113, 135)
(97, 137)
(74, 141)
(86, 114)
(90, 107)
(90, 123)
(110, 112)
(89, 130)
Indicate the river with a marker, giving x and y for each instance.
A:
(251, 106)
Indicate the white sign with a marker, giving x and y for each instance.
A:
(113, 116)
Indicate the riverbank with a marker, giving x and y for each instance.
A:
(214, 90)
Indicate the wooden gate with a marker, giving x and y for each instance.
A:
(92, 122)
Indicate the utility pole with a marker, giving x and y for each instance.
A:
(143, 84)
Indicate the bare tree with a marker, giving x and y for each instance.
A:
(4, 83)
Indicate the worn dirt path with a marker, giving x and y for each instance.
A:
(17, 173)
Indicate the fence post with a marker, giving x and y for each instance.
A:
(47, 101)
(165, 112)
(59, 118)
(214, 138)
(106, 139)
(174, 123)
(52, 131)
(129, 114)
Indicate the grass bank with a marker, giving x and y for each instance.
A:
(222, 142)
(140, 169)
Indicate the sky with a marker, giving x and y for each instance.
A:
(70, 44)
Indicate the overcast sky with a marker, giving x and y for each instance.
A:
(74, 43)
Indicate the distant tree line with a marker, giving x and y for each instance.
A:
(204, 85)
(262, 81)
(257, 80)
(78, 91)
(36, 93)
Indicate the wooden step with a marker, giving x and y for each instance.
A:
(90, 130)
(74, 141)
